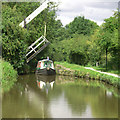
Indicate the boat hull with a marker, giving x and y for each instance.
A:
(45, 78)
(46, 71)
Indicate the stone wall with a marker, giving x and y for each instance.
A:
(61, 70)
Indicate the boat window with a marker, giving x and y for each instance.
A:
(47, 64)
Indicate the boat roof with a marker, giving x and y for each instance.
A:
(45, 60)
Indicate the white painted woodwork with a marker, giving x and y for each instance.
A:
(39, 43)
(35, 13)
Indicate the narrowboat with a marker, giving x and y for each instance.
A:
(45, 67)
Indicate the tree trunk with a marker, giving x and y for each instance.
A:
(106, 59)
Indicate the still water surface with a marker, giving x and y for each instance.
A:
(60, 97)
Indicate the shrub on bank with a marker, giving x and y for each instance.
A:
(8, 75)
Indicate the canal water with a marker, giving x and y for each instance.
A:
(59, 97)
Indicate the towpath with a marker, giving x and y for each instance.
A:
(103, 72)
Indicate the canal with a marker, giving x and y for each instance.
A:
(60, 97)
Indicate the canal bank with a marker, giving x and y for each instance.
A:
(82, 72)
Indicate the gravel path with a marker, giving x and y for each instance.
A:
(103, 72)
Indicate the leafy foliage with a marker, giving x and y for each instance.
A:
(81, 42)
(9, 75)
(80, 25)
(108, 40)
(13, 37)
(16, 39)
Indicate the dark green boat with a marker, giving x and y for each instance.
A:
(45, 67)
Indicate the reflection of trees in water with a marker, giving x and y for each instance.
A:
(81, 94)
(28, 104)
(103, 105)
(56, 93)
(64, 79)
(92, 93)
(76, 99)
(75, 94)
(25, 100)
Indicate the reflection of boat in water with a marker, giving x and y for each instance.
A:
(45, 82)
(45, 67)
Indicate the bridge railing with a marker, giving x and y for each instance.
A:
(36, 47)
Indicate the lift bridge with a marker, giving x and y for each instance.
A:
(40, 43)
(37, 47)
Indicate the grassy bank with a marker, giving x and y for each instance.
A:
(80, 71)
(8, 75)
(104, 70)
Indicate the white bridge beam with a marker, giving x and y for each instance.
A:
(34, 14)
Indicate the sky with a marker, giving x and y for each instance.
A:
(95, 10)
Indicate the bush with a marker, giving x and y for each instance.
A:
(9, 75)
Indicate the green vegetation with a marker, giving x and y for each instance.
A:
(80, 71)
(15, 39)
(9, 75)
(98, 47)
(80, 42)
(104, 70)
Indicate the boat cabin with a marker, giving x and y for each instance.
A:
(45, 64)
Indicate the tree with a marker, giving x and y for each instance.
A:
(108, 37)
(105, 42)
(94, 50)
(80, 25)
(16, 39)
(13, 38)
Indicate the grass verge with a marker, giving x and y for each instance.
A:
(104, 70)
(80, 71)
